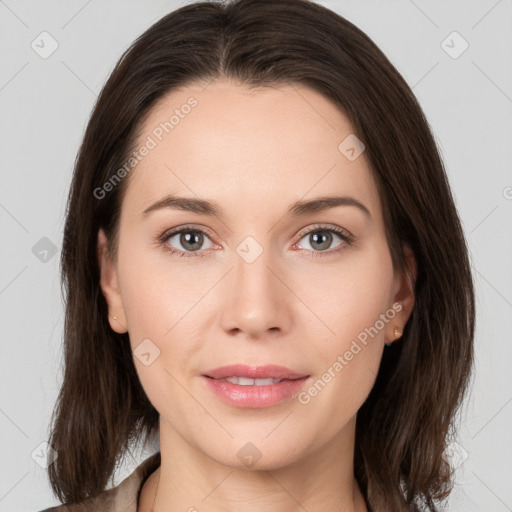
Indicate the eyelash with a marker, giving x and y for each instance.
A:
(347, 238)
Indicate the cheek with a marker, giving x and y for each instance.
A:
(158, 299)
(346, 369)
(345, 298)
(157, 290)
(355, 313)
(164, 302)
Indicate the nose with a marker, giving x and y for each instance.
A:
(256, 300)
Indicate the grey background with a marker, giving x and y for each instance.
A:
(45, 104)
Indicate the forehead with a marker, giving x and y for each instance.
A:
(247, 147)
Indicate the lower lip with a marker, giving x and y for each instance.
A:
(254, 396)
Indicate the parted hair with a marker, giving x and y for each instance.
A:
(409, 418)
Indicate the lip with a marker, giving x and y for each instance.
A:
(269, 371)
(255, 397)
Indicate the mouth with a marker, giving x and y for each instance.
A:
(244, 381)
(245, 375)
(254, 386)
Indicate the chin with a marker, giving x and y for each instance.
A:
(257, 454)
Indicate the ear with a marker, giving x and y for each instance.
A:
(110, 286)
(404, 295)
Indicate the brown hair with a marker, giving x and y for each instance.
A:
(407, 420)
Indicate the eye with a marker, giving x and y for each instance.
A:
(321, 238)
(185, 241)
(189, 241)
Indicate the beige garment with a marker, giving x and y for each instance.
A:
(122, 498)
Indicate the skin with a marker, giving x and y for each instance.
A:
(254, 153)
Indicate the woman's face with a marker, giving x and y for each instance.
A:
(258, 282)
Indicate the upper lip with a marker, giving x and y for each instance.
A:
(270, 371)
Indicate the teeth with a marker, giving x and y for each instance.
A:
(244, 381)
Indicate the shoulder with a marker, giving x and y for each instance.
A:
(124, 497)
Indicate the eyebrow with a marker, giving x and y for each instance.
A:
(302, 207)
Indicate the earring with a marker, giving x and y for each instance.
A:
(396, 333)
(114, 317)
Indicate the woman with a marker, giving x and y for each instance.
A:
(264, 269)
